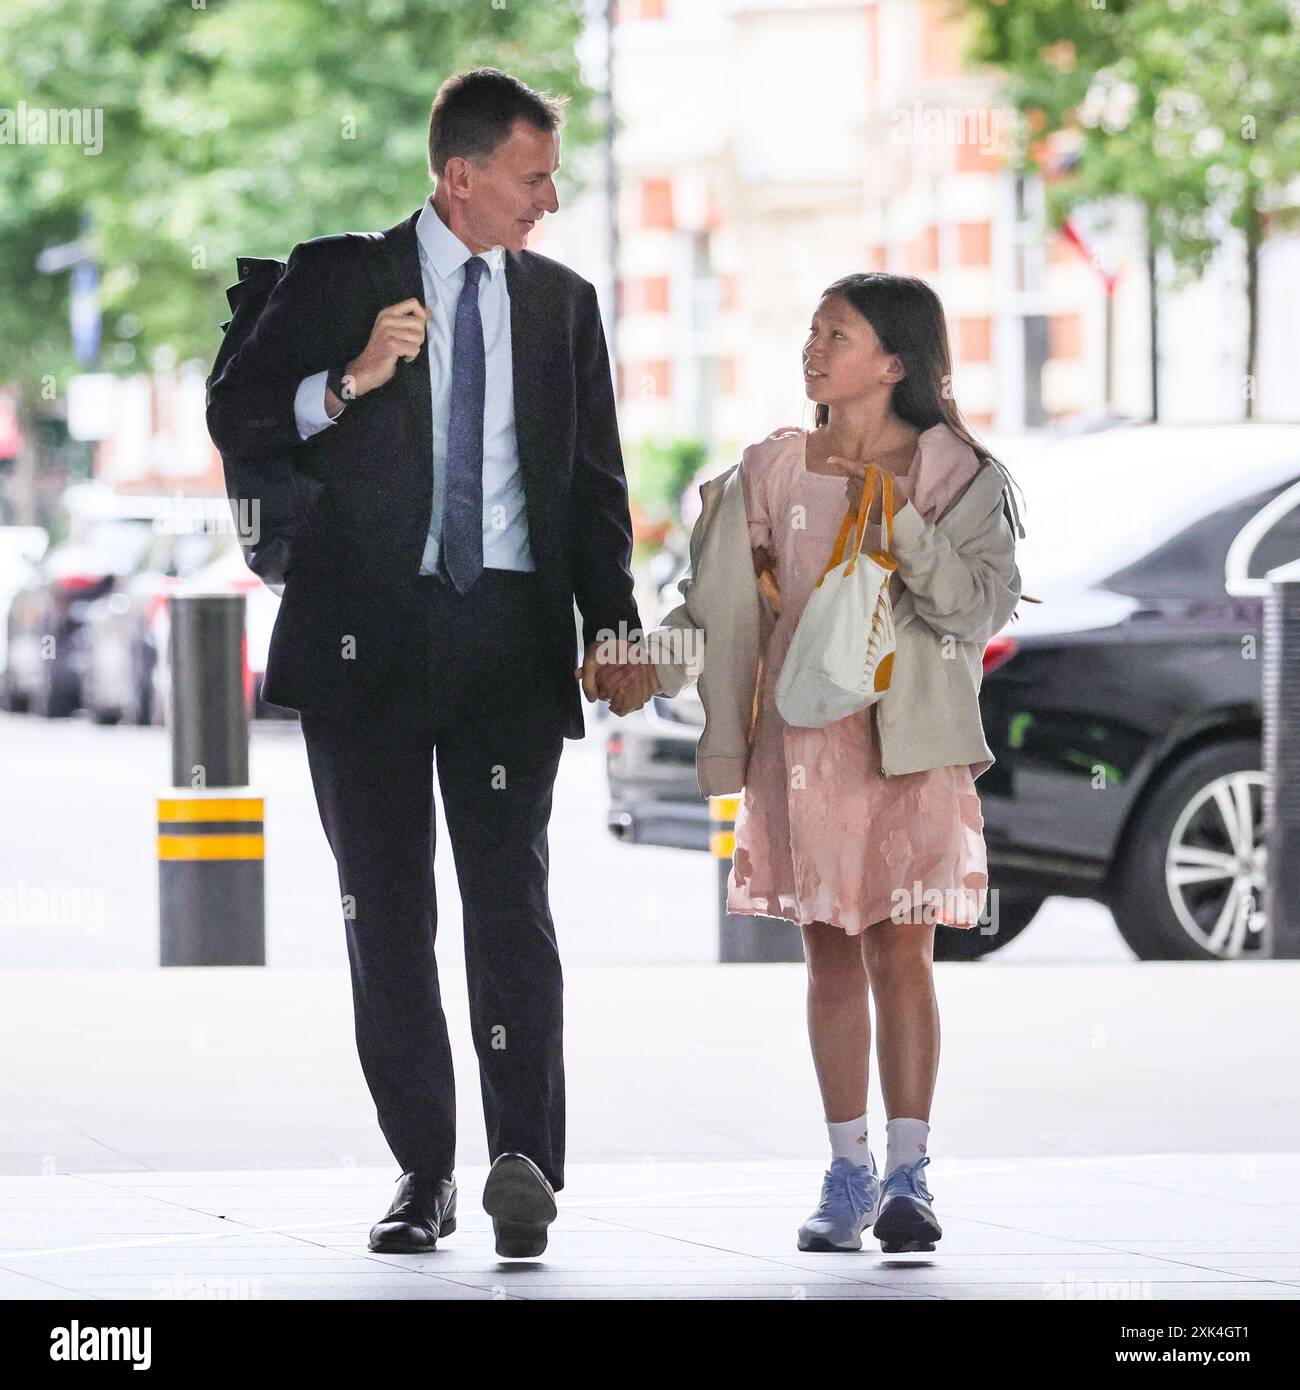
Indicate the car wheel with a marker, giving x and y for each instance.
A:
(60, 693)
(142, 708)
(1191, 880)
(15, 701)
(1015, 911)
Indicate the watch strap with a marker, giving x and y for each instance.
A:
(334, 381)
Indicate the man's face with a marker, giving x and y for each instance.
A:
(506, 197)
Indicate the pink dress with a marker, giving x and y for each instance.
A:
(821, 836)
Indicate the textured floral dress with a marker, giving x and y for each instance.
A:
(821, 835)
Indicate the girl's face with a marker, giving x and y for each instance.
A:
(842, 357)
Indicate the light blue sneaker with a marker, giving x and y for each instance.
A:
(849, 1196)
(906, 1221)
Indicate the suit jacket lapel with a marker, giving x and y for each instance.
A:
(526, 330)
(527, 351)
(416, 398)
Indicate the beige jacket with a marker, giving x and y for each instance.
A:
(962, 585)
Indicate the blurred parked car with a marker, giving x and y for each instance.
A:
(225, 571)
(1125, 711)
(120, 635)
(107, 537)
(21, 549)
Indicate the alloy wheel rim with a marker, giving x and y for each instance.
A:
(1215, 865)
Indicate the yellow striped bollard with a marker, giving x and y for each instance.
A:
(211, 844)
(742, 937)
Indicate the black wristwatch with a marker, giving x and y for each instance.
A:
(334, 380)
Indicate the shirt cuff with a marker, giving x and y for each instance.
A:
(309, 406)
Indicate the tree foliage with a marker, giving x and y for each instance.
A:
(1187, 106)
(229, 127)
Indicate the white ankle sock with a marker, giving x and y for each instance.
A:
(849, 1140)
(905, 1141)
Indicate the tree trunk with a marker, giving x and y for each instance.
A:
(1153, 295)
(23, 498)
(1254, 235)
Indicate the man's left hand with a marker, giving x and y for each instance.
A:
(627, 682)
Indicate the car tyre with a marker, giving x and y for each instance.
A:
(60, 693)
(1185, 819)
(15, 701)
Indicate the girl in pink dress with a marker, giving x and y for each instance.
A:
(823, 838)
(865, 863)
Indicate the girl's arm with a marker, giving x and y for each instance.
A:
(968, 592)
(676, 646)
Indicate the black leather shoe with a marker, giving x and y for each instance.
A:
(423, 1210)
(521, 1204)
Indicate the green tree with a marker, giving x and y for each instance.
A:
(661, 476)
(1185, 106)
(228, 127)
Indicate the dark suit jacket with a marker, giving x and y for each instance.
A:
(368, 479)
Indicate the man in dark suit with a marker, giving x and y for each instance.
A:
(447, 397)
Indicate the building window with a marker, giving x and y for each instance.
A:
(644, 380)
(923, 253)
(657, 204)
(973, 244)
(644, 294)
(975, 339)
(627, 11)
(1065, 336)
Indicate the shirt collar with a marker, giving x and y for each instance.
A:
(444, 250)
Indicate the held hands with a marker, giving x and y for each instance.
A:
(398, 332)
(627, 680)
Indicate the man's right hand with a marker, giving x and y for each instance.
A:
(398, 332)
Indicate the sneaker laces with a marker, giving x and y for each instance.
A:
(841, 1180)
(910, 1177)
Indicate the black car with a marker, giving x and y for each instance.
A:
(1124, 711)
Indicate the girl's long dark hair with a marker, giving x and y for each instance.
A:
(909, 321)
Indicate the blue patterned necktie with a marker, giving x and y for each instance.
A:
(460, 555)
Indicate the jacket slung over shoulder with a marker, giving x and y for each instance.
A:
(961, 583)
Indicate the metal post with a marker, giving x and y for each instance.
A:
(210, 823)
(742, 937)
(1282, 764)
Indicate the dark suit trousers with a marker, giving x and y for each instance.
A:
(470, 689)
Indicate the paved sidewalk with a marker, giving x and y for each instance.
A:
(1106, 1132)
(1144, 1227)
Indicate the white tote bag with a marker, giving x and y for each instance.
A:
(842, 654)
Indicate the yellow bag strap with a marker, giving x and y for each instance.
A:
(887, 506)
(858, 524)
(837, 551)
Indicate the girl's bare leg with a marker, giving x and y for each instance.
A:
(898, 960)
(839, 1019)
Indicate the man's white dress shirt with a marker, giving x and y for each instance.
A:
(442, 264)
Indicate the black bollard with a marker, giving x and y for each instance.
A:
(211, 850)
(743, 938)
(1282, 764)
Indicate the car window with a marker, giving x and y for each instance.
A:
(121, 542)
(1191, 564)
(193, 551)
(1279, 545)
(1149, 511)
